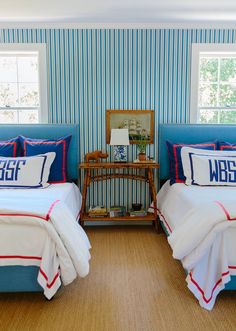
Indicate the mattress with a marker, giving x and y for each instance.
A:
(174, 201)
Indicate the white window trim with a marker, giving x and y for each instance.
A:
(41, 49)
(196, 50)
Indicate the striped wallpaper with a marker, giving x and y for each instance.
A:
(90, 71)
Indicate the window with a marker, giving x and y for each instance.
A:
(23, 92)
(213, 84)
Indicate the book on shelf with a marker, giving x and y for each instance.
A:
(98, 211)
(138, 213)
(117, 211)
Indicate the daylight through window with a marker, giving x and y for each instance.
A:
(215, 85)
(20, 99)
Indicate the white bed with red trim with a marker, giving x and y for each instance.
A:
(200, 220)
(40, 228)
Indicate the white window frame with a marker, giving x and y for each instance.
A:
(195, 72)
(40, 48)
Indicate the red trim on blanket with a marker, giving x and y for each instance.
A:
(46, 277)
(78, 215)
(51, 208)
(30, 215)
(20, 257)
(45, 218)
(215, 286)
(164, 219)
(226, 211)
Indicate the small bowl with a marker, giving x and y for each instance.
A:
(136, 206)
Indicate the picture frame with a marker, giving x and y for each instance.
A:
(139, 122)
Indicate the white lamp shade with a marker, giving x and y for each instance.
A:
(119, 137)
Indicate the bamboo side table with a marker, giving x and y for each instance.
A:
(99, 171)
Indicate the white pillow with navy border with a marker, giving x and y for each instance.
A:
(209, 168)
(26, 172)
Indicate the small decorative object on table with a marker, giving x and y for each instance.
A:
(141, 146)
(95, 156)
(120, 140)
(136, 206)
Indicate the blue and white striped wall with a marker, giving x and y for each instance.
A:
(90, 71)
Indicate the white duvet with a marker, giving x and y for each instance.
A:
(43, 231)
(201, 222)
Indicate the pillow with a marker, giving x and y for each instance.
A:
(58, 172)
(176, 168)
(211, 168)
(223, 146)
(25, 172)
(8, 148)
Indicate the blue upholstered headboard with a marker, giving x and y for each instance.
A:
(190, 133)
(48, 131)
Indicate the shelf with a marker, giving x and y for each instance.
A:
(148, 217)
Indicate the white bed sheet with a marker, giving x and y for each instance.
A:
(68, 193)
(174, 201)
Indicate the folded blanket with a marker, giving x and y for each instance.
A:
(201, 245)
(62, 248)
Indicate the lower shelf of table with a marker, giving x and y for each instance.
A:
(148, 217)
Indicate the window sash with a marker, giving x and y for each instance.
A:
(206, 50)
(39, 49)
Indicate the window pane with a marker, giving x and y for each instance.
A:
(227, 95)
(207, 95)
(28, 69)
(28, 95)
(28, 116)
(228, 69)
(208, 69)
(228, 116)
(8, 116)
(8, 94)
(8, 72)
(208, 116)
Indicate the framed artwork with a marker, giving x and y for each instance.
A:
(140, 124)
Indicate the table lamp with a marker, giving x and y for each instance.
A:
(120, 140)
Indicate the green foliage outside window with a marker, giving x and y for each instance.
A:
(217, 88)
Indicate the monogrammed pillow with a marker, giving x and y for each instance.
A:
(211, 168)
(25, 172)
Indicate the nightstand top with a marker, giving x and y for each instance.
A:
(119, 165)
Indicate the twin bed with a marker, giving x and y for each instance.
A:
(41, 243)
(199, 220)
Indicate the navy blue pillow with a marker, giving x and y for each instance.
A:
(8, 148)
(224, 146)
(58, 171)
(174, 152)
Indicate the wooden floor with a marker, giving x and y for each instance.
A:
(134, 284)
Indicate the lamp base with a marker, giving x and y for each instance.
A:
(120, 153)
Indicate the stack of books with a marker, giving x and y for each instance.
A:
(117, 211)
(97, 212)
(137, 213)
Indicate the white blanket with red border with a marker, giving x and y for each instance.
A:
(200, 242)
(43, 233)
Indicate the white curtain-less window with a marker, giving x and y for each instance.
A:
(23, 92)
(213, 84)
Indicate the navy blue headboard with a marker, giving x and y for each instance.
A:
(48, 131)
(190, 133)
